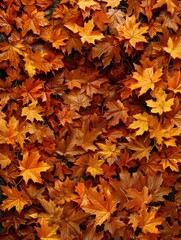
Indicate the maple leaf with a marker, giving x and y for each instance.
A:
(100, 204)
(109, 151)
(116, 112)
(85, 136)
(47, 232)
(29, 66)
(11, 52)
(174, 83)
(117, 17)
(141, 148)
(73, 43)
(112, 3)
(32, 112)
(77, 99)
(95, 166)
(142, 122)
(146, 79)
(67, 115)
(31, 90)
(161, 104)
(101, 20)
(171, 5)
(174, 47)
(132, 31)
(139, 198)
(108, 51)
(86, 3)
(15, 199)
(6, 156)
(171, 158)
(31, 168)
(33, 20)
(164, 133)
(149, 221)
(6, 20)
(54, 35)
(87, 34)
(9, 131)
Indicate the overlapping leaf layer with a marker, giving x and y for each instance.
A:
(90, 119)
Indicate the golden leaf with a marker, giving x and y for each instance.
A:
(95, 166)
(132, 31)
(31, 168)
(161, 104)
(146, 80)
(32, 112)
(87, 34)
(15, 199)
(174, 47)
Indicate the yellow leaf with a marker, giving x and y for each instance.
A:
(146, 80)
(9, 131)
(86, 3)
(95, 166)
(171, 163)
(32, 111)
(15, 199)
(87, 34)
(30, 66)
(109, 151)
(46, 232)
(161, 104)
(141, 123)
(132, 31)
(112, 3)
(174, 48)
(4, 160)
(31, 168)
(150, 221)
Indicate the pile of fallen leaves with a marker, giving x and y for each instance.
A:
(90, 119)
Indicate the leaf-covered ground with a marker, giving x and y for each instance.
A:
(90, 119)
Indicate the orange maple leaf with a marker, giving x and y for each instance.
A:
(32, 112)
(31, 90)
(174, 47)
(108, 51)
(87, 34)
(77, 99)
(15, 199)
(112, 4)
(86, 3)
(116, 112)
(31, 167)
(12, 52)
(146, 80)
(139, 198)
(85, 136)
(33, 20)
(109, 151)
(171, 5)
(131, 31)
(9, 131)
(174, 82)
(45, 231)
(140, 146)
(102, 205)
